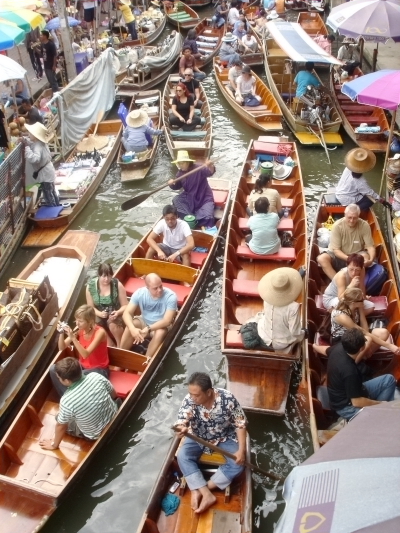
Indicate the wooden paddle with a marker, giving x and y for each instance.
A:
(136, 200)
(100, 115)
(229, 454)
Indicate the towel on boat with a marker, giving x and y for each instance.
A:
(368, 129)
(170, 504)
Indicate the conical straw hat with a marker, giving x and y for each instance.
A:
(92, 142)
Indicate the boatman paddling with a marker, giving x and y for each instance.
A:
(216, 416)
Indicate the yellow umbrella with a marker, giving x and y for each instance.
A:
(23, 18)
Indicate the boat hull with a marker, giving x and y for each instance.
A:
(146, 38)
(187, 20)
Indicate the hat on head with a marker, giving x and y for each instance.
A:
(273, 15)
(246, 69)
(39, 131)
(348, 40)
(360, 160)
(228, 37)
(183, 155)
(137, 118)
(125, 2)
(44, 11)
(280, 287)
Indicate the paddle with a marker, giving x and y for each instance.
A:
(100, 115)
(229, 454)
(136, 200)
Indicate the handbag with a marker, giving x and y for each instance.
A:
(251, 339)
(325, 329)
(36, 172)
(251, 101)
(287, 240)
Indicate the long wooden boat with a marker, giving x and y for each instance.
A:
(197, 142)
(354, 114)
(29, 494)
(281, 85)
(209, 39)
(66, 266)
(156, 65)
(260, 379)
(253, 58)
(388, 305)
(45, 231)
(140, 167)
(145, 22)
(231, 512)
(265, 117)
(198, 3)
(182, 16)
(312, 23)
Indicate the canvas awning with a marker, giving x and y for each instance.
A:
(297, 44)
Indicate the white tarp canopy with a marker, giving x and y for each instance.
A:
(165, 57)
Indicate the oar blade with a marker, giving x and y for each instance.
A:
(133, 202)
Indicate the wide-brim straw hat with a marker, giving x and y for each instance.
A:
(360, 160)
(88, 144)
(281, 286)
(228, 37)
(137, 118)
(396, 225)
(39, 131)
(125, 2)
(281, 172)
(183, 155)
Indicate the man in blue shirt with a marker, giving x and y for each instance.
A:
(149, 314)
(305, 78)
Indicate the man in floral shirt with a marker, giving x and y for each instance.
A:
(216, 416)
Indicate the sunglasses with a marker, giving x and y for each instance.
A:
(187, 74)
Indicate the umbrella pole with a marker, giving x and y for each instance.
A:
(388, 150)
(375, 57)
(361, 51)
(26, 75)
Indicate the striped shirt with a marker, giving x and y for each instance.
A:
(89, 403)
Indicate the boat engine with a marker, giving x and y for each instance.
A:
(318, 109)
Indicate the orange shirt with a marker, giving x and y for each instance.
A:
(99, 357)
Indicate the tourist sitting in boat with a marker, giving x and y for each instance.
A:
(38, 154)
(262, 188)
(197, 197)
(304, 78)
(88, 405)
(21, 93)
(246, 88)
(182, 112)
(279, 323)
(260, 22)
(177, 239)
(264, 238)
(250, 42)
(188, 61)
(227, 430)
(349, 313)
(352, 276)
(353, 187)
(240, 33)
(149, 315)
(349, 235)
(238, 24)
(229, 51)
(348, 392)
(135, 137)
(190, 41)
(30, 112)
(220, 15)
(107, 296)
(233, 74)
(129, 18)
(193, 86)
(325, 42)
(233, 14)
(90, 341)
(346, 51)
(353, 70)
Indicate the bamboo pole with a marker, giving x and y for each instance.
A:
(390, 138)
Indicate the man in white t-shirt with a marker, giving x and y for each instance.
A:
(177, 241)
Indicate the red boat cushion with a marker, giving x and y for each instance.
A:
(380, 303)
(197, 259)
(285, 224)
(133, 284)
(123, 382)
(284, 254)
(271, 148)
(234, 339)
(245, 287)
(220, 198)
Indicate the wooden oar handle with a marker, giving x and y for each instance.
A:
(228, 454)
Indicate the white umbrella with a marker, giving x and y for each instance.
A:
(10, 69)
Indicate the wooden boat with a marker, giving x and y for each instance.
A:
(205, 31)
(198, 3)
(45, 231)
(140, 167)
(156, 65)
(29, 494)
(306, 5)
(260, 379)
(251, 10)
(182, 16)
(197, 142)
(312, 23)
(145, 22)
(387, 304)
(354, 114)
(277, 60)
(66, 265)
(265, 117)
(231, 512)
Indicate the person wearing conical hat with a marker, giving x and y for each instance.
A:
(197, 198)
(125, 7)
(138, 132)
(353, 187)
(38, 154)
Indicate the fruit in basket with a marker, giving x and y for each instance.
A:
(14, 132)
(13, 125)
(21, 120)
(23, 129)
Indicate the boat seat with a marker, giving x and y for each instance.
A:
(182, 292)
(195, 134)
(284, 254)
(255, 108)
(197, 259)
(220, 197)
(380, 303)
(272, 148)
(286, 202)
(358, 108)
(285, 224)
(245, 287)
(362, 118)
(190, 144)
(234, 339)
(123, 382)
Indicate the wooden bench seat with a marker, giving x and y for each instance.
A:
(234, 339)
(284, 254)
(357, 108)
(285, 224)
(362, 118)
(256, 108)
(245, 287)
(380, 303)
(133, 284)
(220, 197)
(123, 382)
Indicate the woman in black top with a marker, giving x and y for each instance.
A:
(182, 110)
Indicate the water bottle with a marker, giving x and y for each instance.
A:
(176, 483)
(286, 212)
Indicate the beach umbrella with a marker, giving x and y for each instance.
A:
(54, 23)
(20, 4)
(10, 35)
(381, 89)
(23, 18)
(10, 69)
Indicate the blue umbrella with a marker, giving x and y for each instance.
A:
(54, 23)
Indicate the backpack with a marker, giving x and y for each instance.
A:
(375, 277)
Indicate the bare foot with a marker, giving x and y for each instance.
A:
(207, 501)
(195, 500)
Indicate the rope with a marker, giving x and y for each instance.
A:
(36, 324)
(45, 298)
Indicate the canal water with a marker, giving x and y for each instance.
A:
(112, 495)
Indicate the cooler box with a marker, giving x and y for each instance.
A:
(122, 113)
(81, 61)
